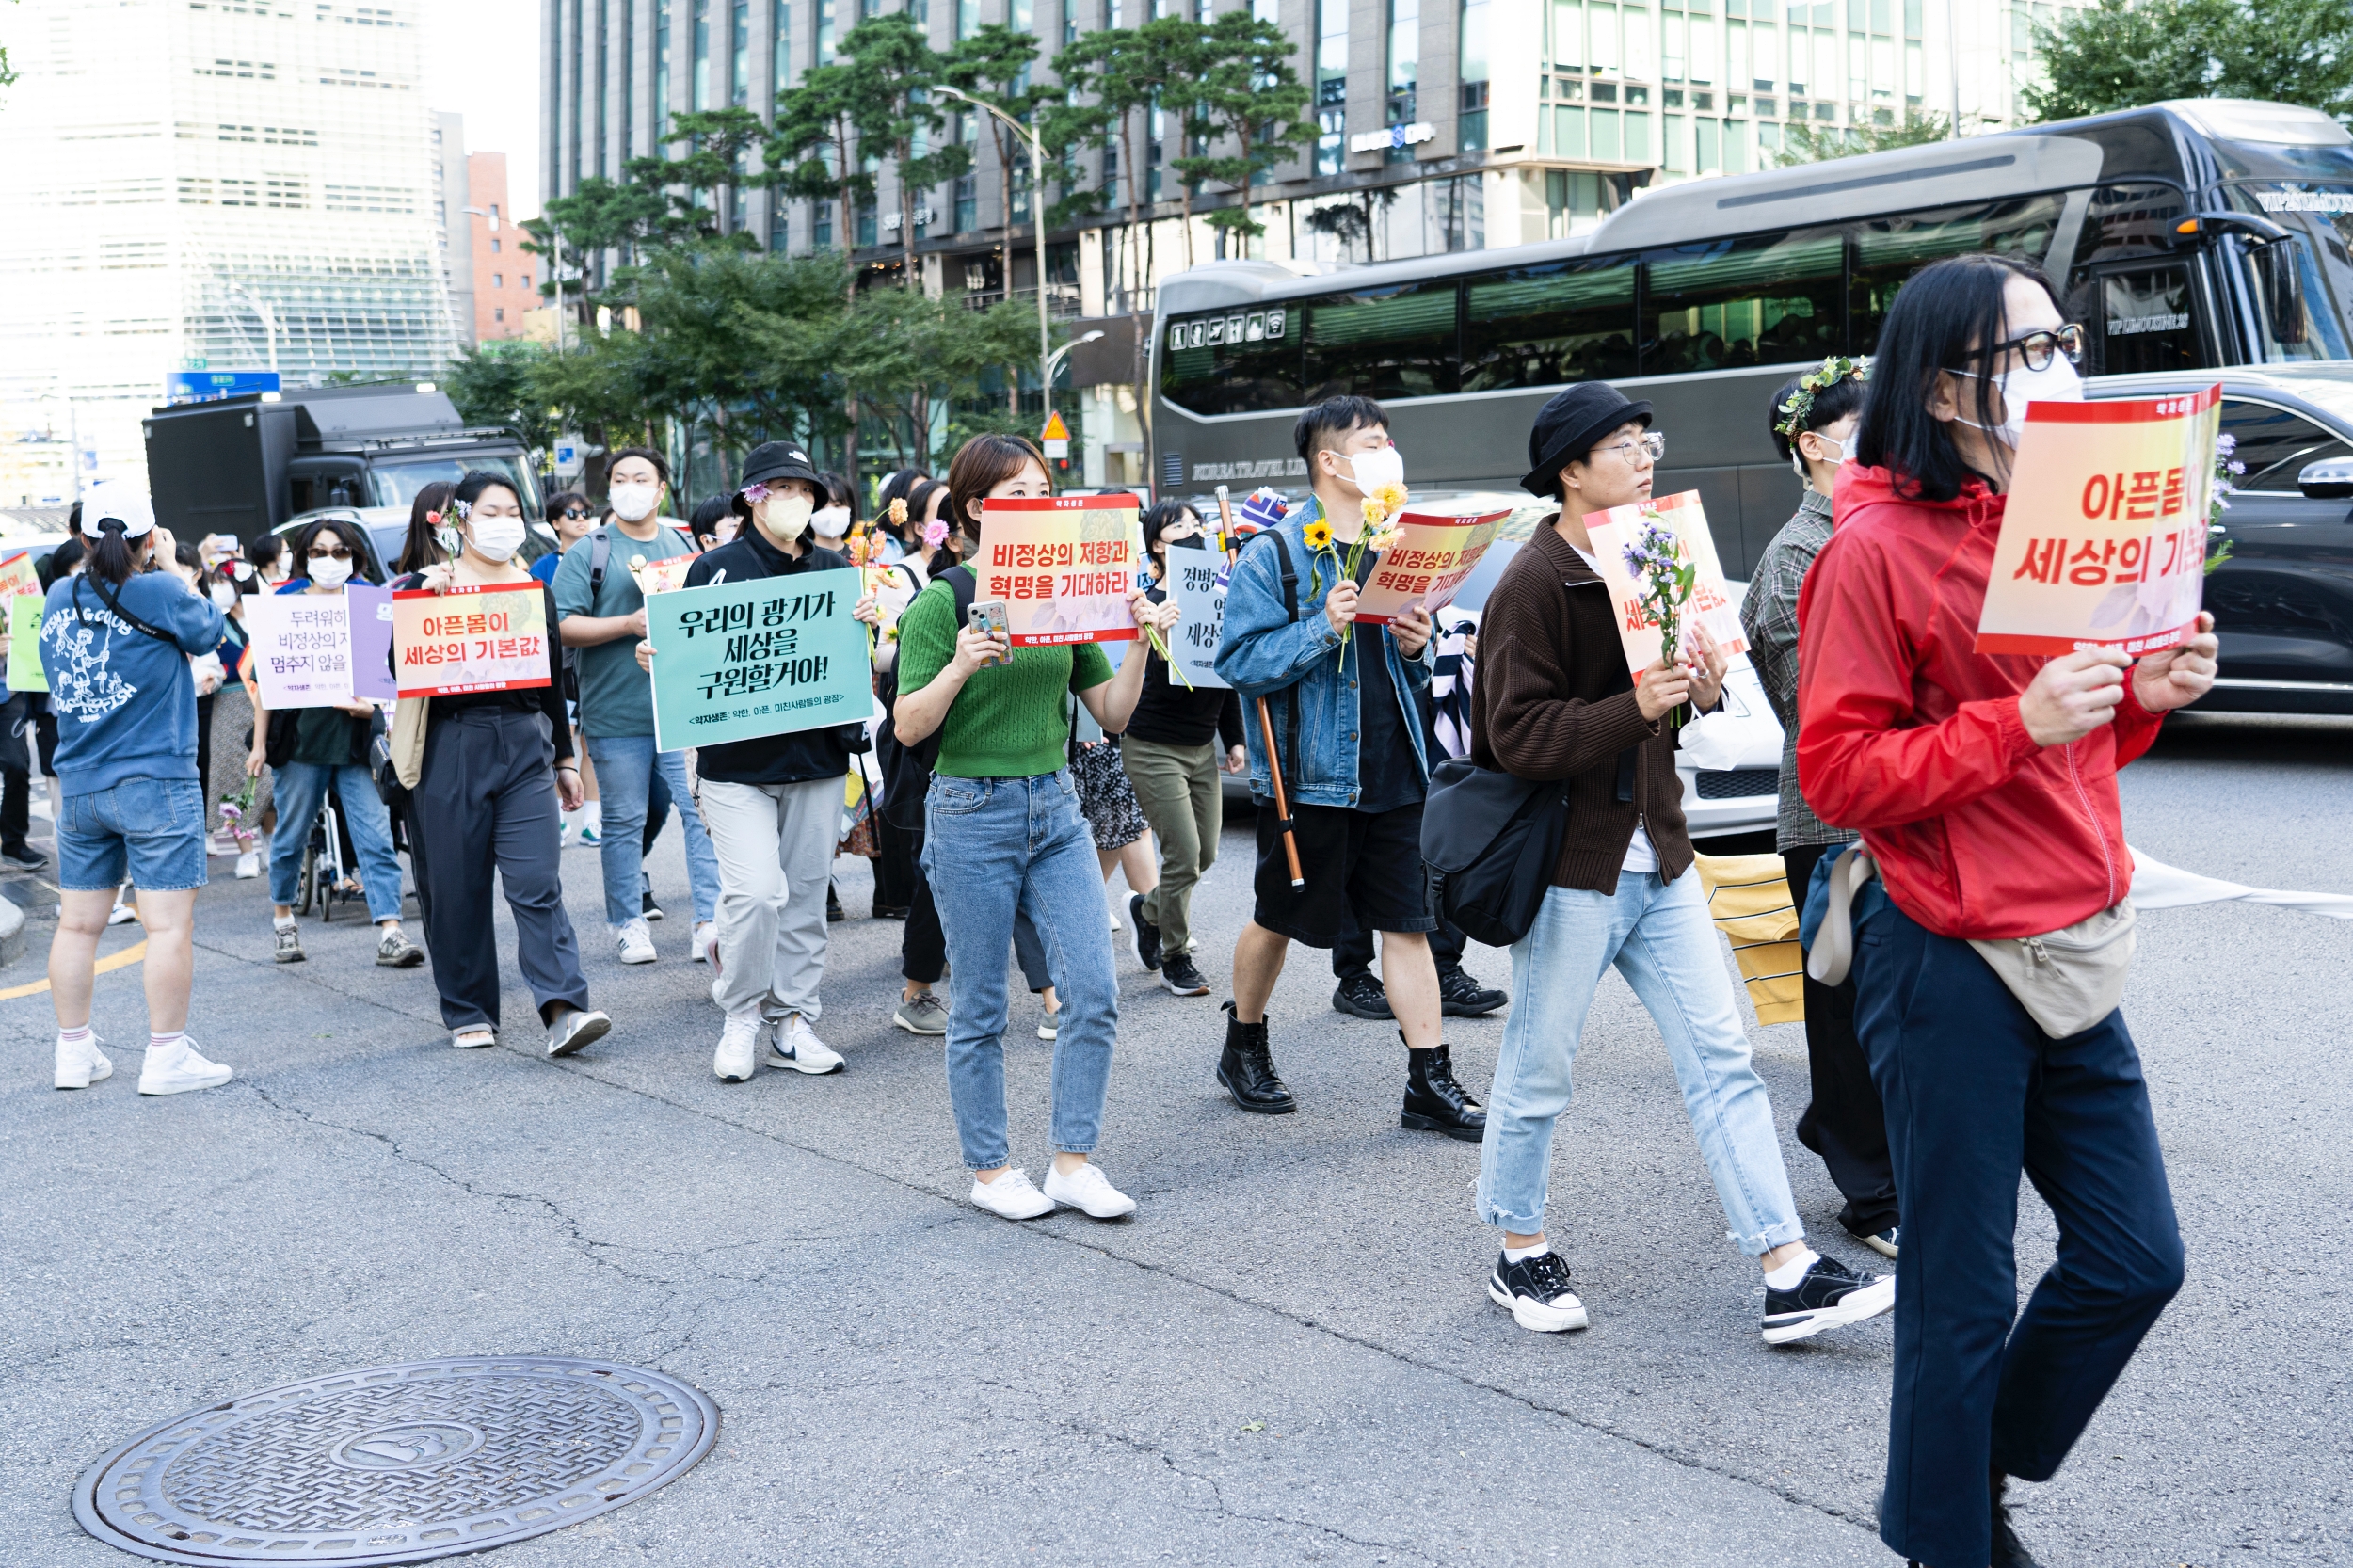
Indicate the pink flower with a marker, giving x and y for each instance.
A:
(936, 532)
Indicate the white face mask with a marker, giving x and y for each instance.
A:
(2055, 382)
(496, 539)
(224, 596)
(330, 573)
(633, 503)
(831, 522)
(789, 514)
(1383, 465)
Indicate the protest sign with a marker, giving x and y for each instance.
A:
(371, 642)
(24, 671)
(1064, 564)
(300, 649)
(1197, 580)
(487, 638)
(661, 577)
(1711, 603)
(1433, 555)
(18, 576)
(765, 656)
(2104, 538)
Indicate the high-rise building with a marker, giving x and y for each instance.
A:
(505, 275)
(453, 231)
(212, 185)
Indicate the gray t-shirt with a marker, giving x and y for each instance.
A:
(615, 697)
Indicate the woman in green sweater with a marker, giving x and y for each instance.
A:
(1002, 832)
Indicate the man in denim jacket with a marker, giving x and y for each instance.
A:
(1348, 722)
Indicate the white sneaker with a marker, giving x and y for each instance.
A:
(635, 942)
(473, 1039)
(577, 1030)
(79, 1066)
(797, 1047)
(249, 865)
(1011, 1196)
(177, 1069)
(706, 944)
(1088, 1190)
(122, 914)
(739, 1043)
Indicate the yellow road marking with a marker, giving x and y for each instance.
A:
(107, 964)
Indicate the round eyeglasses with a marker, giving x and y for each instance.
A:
(1650, 444)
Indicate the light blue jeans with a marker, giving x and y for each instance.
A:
(992, 846)
(1659, 936)
(625, 769)
(299, 788)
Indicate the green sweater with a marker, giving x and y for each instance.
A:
(1010, 721)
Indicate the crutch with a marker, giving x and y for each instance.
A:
(1266, 724)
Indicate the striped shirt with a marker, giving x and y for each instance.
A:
(1770, 618)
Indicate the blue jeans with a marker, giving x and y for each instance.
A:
(153, 829)
(299, 787)
(992, 846)
(1659, 936)
(626, 765)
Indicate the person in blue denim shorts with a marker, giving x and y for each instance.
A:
(115, 645)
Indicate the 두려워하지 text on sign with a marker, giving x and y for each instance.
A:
(1064, 565)
(486, 637)
(2104, 538)
(767, 656)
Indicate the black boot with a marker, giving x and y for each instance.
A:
(1247, 1070)
(1435, 1102)
(2009, 1551)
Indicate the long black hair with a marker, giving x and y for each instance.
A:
(355, 537)
(1940, 319)
(422, 547)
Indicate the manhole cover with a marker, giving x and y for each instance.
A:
(397, 1464)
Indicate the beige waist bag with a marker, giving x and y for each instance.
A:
(2067, 979)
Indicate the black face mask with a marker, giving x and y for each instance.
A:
(1199, 541)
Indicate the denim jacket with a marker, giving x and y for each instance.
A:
(1301, 662)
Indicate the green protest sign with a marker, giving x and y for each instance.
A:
(763, 657)
(24, 671)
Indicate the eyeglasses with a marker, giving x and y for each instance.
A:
(2037, 348)
(1651, 444)
(336, 552)
(576, 512)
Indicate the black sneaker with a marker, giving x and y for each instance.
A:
(1146, 934)
(652, 911)
(1829, 1296)
(1538, 1292)
(1179, 976)
(2009, 1551)
(889, 911)
(1884, 1243)
(1461, 996)
(23, 857)
(1360, 996)
(833, 904)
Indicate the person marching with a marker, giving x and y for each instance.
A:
(485, 779)
(1003, 835)
(1984, 787)
(603, 611)
(115, 644)
(1344, 703)
(1553, 701)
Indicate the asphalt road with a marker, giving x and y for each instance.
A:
(1285, 1356)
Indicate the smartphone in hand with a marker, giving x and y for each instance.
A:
(988, 617)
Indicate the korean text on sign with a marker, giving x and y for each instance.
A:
(1711, 602)
(489, 638)
(1197, 581)
(2104, 536)
(766, 656)
(300, 653)
(1064, 565)
(1434, 556)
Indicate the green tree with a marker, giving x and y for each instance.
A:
(1126, 72)
(813, 148)
(1803, 144)
(1250, 96)
(703, 185)
(893, 66)
(2124, 53)
(993, 67)
(492, 386)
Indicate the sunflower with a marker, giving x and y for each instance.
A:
(1319, 534)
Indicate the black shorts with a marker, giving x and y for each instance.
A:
(1361, 870)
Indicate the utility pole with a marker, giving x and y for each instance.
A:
(1037, 218)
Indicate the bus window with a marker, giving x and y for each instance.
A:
(2145, 320)
(1242, 361)
(1769, 299)
(1549, 326)
(2127, 220)
(1382, 342)
(1888, 250)
(2275, 444)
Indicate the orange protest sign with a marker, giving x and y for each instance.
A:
(18, 576)
(1432, 557)
(661, 577)
(1064, 565)
(1711, 603)
(2104, 541)
(487, 638)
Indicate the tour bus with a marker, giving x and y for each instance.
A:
(2185, 235)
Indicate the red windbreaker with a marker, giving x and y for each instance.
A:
(1906, 736)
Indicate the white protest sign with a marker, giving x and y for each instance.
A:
(1197, 580)
(301, 649)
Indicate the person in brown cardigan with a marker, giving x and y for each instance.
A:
(1554, 701)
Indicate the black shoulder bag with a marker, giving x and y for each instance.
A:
(907, 769)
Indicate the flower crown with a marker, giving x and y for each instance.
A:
(1800, 403)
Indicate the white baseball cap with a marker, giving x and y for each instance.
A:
(122, 502)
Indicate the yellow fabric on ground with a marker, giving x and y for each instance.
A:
(1748, 898)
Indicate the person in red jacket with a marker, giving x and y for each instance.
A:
(1985, 789)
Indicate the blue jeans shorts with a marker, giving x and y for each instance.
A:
(153, 829)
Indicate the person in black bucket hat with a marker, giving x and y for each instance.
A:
(1572, 423)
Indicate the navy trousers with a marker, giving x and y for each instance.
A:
(1976, 1093)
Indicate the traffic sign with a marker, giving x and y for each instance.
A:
(204, 386)
(1056, 436)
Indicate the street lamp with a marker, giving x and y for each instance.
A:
(270, 323)
(1037, 215)
(1055, 358)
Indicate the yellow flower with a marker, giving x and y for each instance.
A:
(1392, 498)
(898, 513)
(1376, 511)
(1319, 534)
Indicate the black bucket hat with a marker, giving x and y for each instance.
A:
(769, 463)
(1568, 426)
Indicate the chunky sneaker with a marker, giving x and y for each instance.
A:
(1246, 1069)
(706, 944)
(921, 1014)
(1011, 1196)
(1461, 996)
(1434, 1101)
(1829, 1296)
(396, 952)
(289, 945)
(2009, 1551)
(23, 857)
(739, 1047)
(1090, 1191)
(1538, 1292)
(177, 1069)
(1360, 996)
(591, 835)
(81, 1065)
(1179, 976)
(1147, 938)
(648, 909)
(1049, 1026)
(635, 942)
(1880, 1241)
(578, 1029)
(249, 865)
(796, 1046)
(122, 914)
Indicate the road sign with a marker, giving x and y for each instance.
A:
(1057, 438)
(569, 459)
(205, 385)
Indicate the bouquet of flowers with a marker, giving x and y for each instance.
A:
(2226, 468)
(1379, 531)
(1656, 558)
(232, 810)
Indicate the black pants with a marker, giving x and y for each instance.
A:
(895, 871)
(1976, 1093)
(1843, 1122)
(1352, 953)
(923, 946)
(485, 805)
